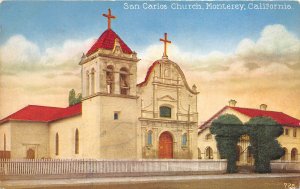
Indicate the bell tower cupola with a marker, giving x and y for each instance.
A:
(109, 67)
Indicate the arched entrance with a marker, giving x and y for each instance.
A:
(30, 154)
(294, 154)
(209, 153)
(165, 149)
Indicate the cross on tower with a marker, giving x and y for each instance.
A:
(166, 41)
(109, 16)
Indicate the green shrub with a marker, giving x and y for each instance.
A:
(263, 132)
(228, 129)
(73, 99)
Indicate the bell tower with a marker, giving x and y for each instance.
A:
(109, 105)
(109, 67)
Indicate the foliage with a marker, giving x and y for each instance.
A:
(73, 99)
(228, 129)
(263, 132)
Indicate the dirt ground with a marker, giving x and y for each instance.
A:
(258, 183)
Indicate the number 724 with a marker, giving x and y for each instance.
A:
(289, 186)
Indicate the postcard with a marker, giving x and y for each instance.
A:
(175, 94)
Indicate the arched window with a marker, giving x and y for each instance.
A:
(149, 138)
(295, 132)
(110, 79)
(93, 81)
(209, 153)
(294, 154)
(286, 131)
(87, 83)
(208, 136)
(76, 142)
(199, 154)
(4, 143)
(167, 72)
(56, 144)
(124, 81)
(184, 140)
(165, 111)
(285, 156)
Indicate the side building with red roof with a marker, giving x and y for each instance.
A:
(26, 133)
(290, 140)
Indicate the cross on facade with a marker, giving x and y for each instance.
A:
(166, 41)
(109, 16)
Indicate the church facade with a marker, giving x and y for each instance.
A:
(117, 118)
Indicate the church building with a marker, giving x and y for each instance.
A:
(117, 117)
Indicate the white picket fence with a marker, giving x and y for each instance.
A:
(88, 166)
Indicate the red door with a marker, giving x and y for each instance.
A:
(165, 146)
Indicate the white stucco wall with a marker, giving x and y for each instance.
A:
(5, 129)
(26, 135)
(118, 138)
(66, 131)
(290, 142)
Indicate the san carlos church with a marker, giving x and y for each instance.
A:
(120, 119)
(117, 118)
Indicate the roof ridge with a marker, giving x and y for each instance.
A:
(212, 117)
(58, 116)
(44, 106)
(264, 112)
(256, 109)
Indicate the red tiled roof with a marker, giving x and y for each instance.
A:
(150, 69)
(107, 41)
(279, 117)
(212, 118)
(43, 113)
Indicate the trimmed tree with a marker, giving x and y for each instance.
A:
(228, 128)
(73, 99)
(263, 132)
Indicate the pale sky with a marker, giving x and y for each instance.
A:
(252, 56)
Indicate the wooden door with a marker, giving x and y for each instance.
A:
(165, 146)
(30, 154)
